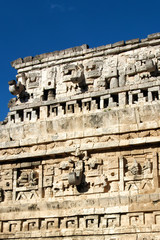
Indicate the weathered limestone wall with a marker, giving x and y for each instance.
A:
(79, 149)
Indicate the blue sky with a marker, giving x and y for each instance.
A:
(30, 27)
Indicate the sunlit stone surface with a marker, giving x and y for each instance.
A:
(80, 146)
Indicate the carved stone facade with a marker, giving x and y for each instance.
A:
(80, 147)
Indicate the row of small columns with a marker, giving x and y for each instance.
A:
(85, 105)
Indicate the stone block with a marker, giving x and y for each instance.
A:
(153, 36)
(118, 44)
(132, 41)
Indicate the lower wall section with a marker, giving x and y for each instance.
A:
(83, 194)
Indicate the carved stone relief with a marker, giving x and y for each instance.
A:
(33, 79)
(79, 172)
(139, 176)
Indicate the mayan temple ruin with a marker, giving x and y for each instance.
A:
(80, 147)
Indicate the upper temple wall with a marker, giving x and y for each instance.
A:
(111, 89)
(65, 74)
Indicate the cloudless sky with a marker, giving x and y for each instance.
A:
(31, 27)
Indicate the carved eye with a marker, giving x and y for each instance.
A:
(7, 184)
(49, 83)
(69, 72)
(112, 174)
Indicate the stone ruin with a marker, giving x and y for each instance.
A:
(80, 147)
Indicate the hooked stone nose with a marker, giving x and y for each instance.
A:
(12, 87)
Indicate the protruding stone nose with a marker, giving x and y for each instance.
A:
(13, 87)
(74, 178)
